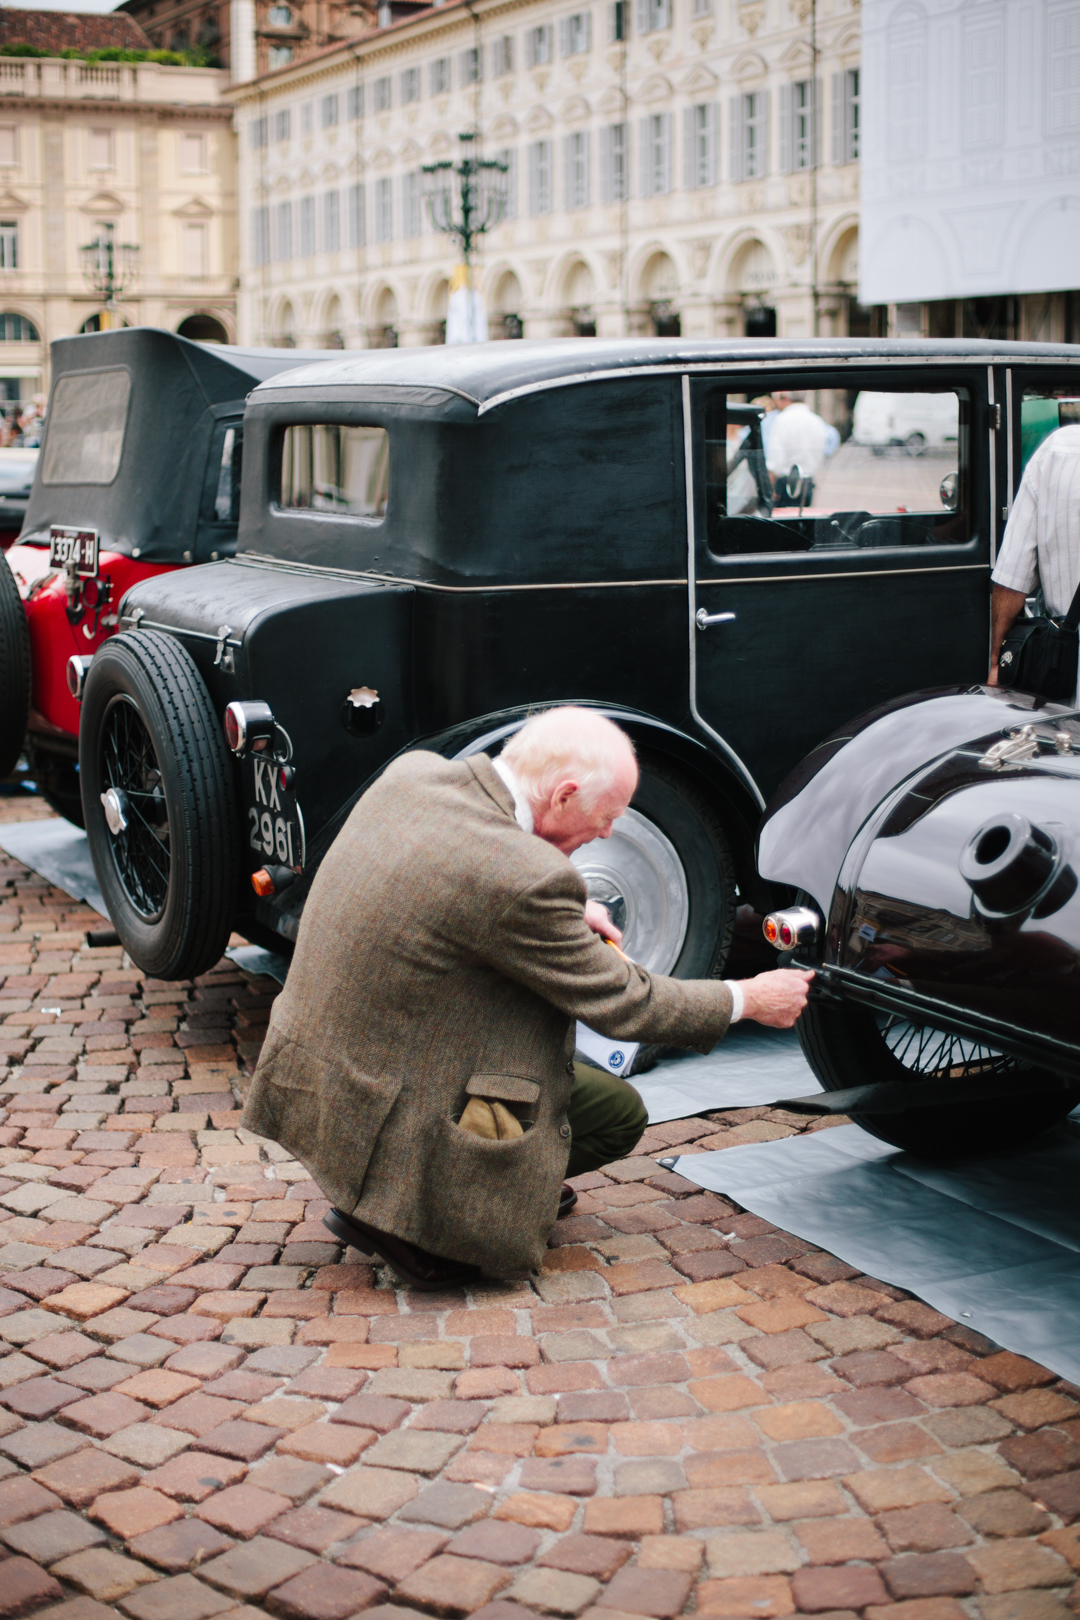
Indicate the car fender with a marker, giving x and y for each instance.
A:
(840, 784)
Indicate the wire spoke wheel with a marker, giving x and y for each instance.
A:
(848, 1045)
(926, 1052)
(160, 807)
(141, 850)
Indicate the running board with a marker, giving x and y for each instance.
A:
(899, 1096)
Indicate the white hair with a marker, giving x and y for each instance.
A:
(568, 743)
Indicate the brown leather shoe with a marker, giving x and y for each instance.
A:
(567, 1200)
(416, 1266)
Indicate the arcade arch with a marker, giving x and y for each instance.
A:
(752, 278)
(383, 331)
(507, 301)
(203, 328)
(658, 302)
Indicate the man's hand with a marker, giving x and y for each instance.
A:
(776, 998)
(1005, 608)
(599, 920)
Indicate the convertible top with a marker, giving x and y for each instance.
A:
(158, 437)
(486, 373)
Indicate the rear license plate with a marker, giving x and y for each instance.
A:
(78, 546)
(275, 822)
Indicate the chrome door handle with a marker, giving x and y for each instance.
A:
(703, 619)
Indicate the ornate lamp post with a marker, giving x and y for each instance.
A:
(465, 200)
(109, 268)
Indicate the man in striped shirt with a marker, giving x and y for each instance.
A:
(1042, 539)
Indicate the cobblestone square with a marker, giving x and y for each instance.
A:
(208, 1408)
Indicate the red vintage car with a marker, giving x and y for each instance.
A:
(139, 473)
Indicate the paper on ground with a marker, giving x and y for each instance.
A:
(751, 1066)
(58, 851)
(994, 1244)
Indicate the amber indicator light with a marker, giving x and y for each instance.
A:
(262, 883)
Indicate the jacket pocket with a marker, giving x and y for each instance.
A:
(506, 1087)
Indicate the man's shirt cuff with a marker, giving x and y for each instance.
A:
(737, 1002)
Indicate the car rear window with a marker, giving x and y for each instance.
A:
(87, 419)
(335, 467)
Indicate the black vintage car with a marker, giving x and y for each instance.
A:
(936, 844)
(433, 541)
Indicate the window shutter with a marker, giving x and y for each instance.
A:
(765, 113)
(511, 209)
(568, 171)
(668, 128)
(836, 117)
(587, 32)
(586, 169)
(606, 187)
(736, 140)
(646, 157)
(662, 14)
(712, 144)
(785, 129)
(643, 16)
(564, 36)
(530, 49)
(690, 177)
(818, 98)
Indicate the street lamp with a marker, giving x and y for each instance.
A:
(109, 268)
(465, 200)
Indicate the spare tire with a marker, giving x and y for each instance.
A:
(14, 671)
(159, 803)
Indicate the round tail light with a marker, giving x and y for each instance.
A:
(248, 725)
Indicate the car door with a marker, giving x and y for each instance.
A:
(865, 578)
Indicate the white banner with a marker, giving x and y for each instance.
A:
(970, 149)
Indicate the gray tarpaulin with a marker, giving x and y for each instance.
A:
(58, 851)
(752, 1065)
(994, 1244)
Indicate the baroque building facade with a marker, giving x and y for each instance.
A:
(672, 166)
(141, 152)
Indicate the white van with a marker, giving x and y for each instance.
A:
(910, 422)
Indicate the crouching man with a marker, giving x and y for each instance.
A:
(420, 1060)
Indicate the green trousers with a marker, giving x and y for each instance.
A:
(607, 1118)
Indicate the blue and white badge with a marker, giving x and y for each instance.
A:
(616, 1057)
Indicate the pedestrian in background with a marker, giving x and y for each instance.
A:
(1042, 539)
(798, 437)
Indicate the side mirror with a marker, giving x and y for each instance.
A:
(948, 491)
(793, 483)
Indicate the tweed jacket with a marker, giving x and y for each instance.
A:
(443, 954)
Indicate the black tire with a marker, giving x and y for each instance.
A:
(847, 1045)
(14, 671)
(688, 822)
(170, 878)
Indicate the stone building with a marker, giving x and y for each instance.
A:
(254, 36)
(142, 153)
(673, 165)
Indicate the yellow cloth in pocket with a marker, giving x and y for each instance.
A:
(492, 1120)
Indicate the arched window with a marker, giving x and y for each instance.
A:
(280, 17)
(17, 329)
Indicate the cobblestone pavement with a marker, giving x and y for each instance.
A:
(207, 1409)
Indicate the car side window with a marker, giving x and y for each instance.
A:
(221, 485)
(832, 469)
(335, 467)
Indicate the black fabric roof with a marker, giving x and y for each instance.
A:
(484, 371)
(150, 509)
